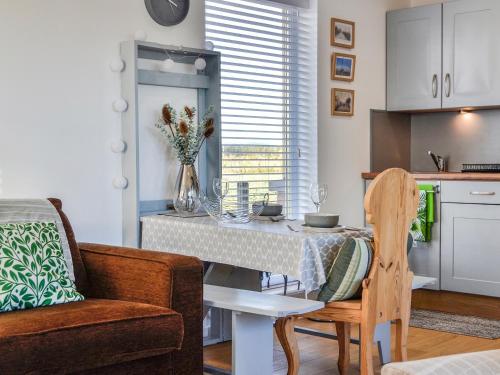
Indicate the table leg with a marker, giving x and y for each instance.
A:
(383, 339)
(252, 344)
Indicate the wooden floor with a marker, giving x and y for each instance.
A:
(319, 356)
(457, 303)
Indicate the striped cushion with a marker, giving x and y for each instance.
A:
(409, 243)
(348, 270)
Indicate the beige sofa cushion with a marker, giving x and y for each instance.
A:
(480, 363)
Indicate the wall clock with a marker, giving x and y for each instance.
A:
(167, 12)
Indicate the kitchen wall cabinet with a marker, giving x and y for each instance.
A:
(470, 248)
(444, 56)
(414, 58)
(471, 53)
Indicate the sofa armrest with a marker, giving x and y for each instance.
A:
(156, 278)
(143, 276)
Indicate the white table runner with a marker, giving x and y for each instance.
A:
(262, 246)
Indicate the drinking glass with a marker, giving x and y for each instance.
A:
(319, 193)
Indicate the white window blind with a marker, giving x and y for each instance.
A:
(268, 91)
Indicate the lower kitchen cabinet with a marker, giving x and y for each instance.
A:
(424, 258)
(470, 248)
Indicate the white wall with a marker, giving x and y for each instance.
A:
(56, 90)
(55, 101)
(343, 147)
(416, 3)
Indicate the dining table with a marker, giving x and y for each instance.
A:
(286, 247)
(236, 255)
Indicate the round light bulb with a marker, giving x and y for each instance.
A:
(117, 65)
(200, 63)
(120, 105)
(167, 65)
(140, 35)
(120, 182)
(118, 146)
(209, 45)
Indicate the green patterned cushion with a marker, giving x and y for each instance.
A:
(33, 271)
(348, 270)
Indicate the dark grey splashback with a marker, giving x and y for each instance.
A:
(389, 140)
(463, 138)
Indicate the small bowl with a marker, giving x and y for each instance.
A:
(319, 220)
(270, 209)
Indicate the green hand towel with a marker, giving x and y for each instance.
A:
(421, 228)
(429, 200)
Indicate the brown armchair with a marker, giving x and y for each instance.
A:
(142, 314)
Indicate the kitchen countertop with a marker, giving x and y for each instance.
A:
(454, 176)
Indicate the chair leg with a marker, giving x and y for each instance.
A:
(286, 335)
(366, 348)
(344, 338)
(402, 326)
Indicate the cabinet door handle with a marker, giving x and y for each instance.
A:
(434, 86)
(447, 81)
(482, 193)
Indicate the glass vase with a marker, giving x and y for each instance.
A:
(187, 191)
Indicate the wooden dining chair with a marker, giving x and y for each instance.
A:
(390, 204)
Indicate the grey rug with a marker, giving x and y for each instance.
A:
(458, 324)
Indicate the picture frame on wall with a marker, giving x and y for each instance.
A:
(342, 33)
(343, 67)
(342, 102)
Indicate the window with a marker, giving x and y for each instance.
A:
(268, 84)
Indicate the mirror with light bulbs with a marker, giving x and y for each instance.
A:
(151, 75)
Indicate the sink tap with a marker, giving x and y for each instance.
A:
(439, 161)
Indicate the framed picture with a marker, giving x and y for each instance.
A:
(343, 67)
(342, 102)
(342, 33)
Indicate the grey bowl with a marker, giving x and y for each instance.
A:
(319, 220)
(270, 209)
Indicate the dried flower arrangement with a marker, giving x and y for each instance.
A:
(185, 136)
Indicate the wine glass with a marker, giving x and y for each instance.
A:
(319, 193)
(220, 187)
